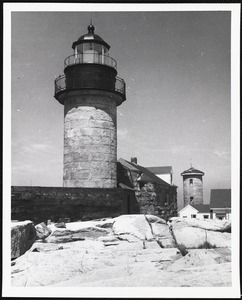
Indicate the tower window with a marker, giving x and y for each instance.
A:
(191, 199)
(191, 181)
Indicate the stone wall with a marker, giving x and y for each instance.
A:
(152, 198)
(39, 204)
(157, 200)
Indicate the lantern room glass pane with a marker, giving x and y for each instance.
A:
(87, 46)
(79, 48)
(91, 53)
(98, 48)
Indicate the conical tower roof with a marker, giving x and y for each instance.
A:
(192, 171)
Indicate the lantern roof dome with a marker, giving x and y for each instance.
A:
(90, 37)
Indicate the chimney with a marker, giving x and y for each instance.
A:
(134, 160)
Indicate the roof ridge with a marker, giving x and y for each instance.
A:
(146, 172)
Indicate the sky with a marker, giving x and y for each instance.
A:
(176, 66)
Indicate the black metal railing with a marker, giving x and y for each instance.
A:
(60, 84)
(93, 58)
(90, 81)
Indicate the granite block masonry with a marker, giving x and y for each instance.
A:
(90, 140)
(90, 92)
(40, 204)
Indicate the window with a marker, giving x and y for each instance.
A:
(184, 216)
(191, 181)
(194, 216)
(191, 199)
(205, 217)
(220, 216)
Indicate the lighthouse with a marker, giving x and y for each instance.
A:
(192, 186)
(90, 91)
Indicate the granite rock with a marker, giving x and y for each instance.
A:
(23, 235)
(42, 231)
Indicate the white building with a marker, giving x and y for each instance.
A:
(199, 211)
(164, 173)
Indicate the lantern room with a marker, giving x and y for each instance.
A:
(90, 67)
(91, 48)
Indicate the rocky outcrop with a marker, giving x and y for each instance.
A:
(219, 239)
(193, 233)
(189, 233)
(135, 225)
(60, 225)
(133, 252)
(162, 235)
(91, 263)
(154, 219)
(190, 237)
(200, 258)
(160, 231)
(64, 237)
(23, 235)
(105, 223)
(209, 224)
(75, 234)
(42, 231)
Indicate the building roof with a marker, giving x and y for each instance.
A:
(160, 170)
(186, 207)
(148, 176)
(220, 198)
(145, 174)
(129, 165)
(202, 208)
(124, 181)
(125, 187)
(192, 171)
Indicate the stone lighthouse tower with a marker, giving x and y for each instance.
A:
(192, 186)
(90, 92)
